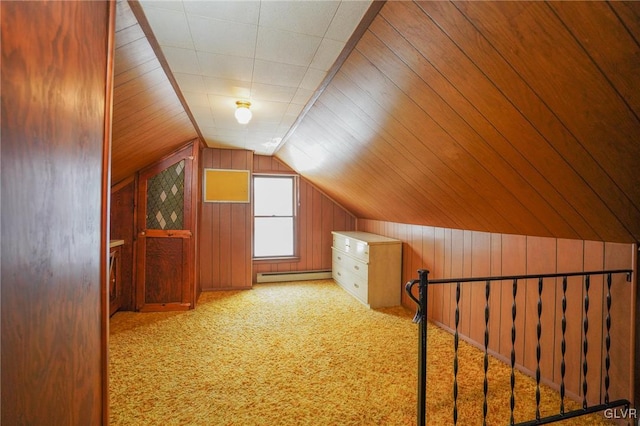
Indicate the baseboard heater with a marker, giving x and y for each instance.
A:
(274, 277)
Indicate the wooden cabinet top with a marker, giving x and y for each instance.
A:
(115, 243)
(367, 237)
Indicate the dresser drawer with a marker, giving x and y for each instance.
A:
(356, 248)
(352, 283)
(346, 262)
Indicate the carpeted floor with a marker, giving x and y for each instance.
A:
(297, 354)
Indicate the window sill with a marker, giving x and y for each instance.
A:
(286, 259)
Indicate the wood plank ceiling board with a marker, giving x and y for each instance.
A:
(472, 84)
(410, 178)
(410, 175)
(403, 123)
(366, 178)
(513, 92)
(614, 52)
(406, 122)
(518, 117)
(578, 109)
(629, 14)
(493, 107)
(361, 189)
(380, 175)
(494, 148)
(149, 120)
(466, 144)
(600, 125)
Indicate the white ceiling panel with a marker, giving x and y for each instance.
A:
(225, 138)
(274, 54)
(225, 66)
(196, 99)
(245, 12)
(326, 54)
(301, 97)
(267, 92)
(233, 88)
(182, 60)
(263, 128)
(293, 110)
(170, 27)
(348, 12)
(223, 37)
(312, 18)
(312, 79)
(222, 106)
(268, 72)
(166, 4)
(286, 47)
(268, 111)
(203, 116)
(190, 82)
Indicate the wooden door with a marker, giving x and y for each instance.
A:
(165, 233)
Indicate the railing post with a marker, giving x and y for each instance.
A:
(423, 274)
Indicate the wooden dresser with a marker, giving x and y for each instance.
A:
(368, 266)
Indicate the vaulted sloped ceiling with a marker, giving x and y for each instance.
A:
(515, 117)
(149, 119)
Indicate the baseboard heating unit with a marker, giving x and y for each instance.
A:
(274, 277)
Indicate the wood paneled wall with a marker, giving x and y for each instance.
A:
(225, 230)
(448, 253)
(55, 121)
(318, 215)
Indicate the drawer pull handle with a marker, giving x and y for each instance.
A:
(339, 258)
(357, 268)
(339, 274)
(356, 285)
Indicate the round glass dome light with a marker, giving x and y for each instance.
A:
(243, 113)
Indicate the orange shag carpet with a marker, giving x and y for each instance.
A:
(302, 353)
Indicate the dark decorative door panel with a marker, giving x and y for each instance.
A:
(165, 198)
(166, 229)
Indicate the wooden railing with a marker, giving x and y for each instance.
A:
(421, 318)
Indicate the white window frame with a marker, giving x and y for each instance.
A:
(295, 207)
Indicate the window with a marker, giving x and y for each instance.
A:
(274, 216)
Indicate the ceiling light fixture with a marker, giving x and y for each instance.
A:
(243, 114)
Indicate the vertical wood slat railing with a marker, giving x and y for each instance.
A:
(421, 318)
